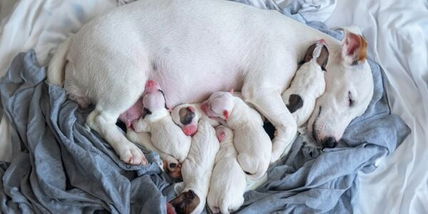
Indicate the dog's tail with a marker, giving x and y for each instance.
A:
(57, 64)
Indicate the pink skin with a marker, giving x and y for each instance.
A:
(133, 113)
(190, 129)
(152, 99)
(221, 135)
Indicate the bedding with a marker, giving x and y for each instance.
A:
(364, 204)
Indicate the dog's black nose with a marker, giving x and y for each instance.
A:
(329, 142)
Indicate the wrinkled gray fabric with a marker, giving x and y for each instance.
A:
(59, 166)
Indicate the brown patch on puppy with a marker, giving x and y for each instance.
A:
(186, 202)
(309, 54)
(294, 103)
(323, 58)
(186, 115)
(173, 170)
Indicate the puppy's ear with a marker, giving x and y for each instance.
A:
(354, 49)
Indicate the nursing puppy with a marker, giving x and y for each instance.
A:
(169, 164)
(165, 135)
(308, 83)
(187, 116)
(196, 170)
(228, 181)
(252, 143)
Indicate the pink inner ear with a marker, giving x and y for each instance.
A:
(352, 43)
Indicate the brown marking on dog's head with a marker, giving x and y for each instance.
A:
(173, 170)
(354, 49)
(186, 202)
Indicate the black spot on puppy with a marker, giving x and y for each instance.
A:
(186, 202)
(294, 103)
(186, 116)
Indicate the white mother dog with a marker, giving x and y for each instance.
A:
(196, 47)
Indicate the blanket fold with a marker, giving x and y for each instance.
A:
(60, 166)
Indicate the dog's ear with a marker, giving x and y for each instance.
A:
(354, 48)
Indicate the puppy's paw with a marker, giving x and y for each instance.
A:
(131, 154)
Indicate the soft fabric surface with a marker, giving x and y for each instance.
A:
(397, 34)
(58, 165)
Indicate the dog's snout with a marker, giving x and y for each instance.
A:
(329, 142)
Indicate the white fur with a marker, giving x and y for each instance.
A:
(166, 136)
(228, 182)
(194, 48)
(197, 168)
(199, 114)
(252, 143)
(143, 138)
(309, 84)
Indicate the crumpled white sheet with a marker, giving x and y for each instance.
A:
(396, 31)
(397, 35)
(311, 10)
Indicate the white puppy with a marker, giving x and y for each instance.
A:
(228, 182)
(308, 83)
(251, 141)
(187, 116)
(166, 136)
(196, 170)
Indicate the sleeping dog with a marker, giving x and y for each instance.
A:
(228, 182)
(252, 143)
(308, 83)
(165, 135)
(196, 170)
(193, 51)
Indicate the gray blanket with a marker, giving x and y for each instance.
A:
(59, 166)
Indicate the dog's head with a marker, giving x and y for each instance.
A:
(186, 116)
(349, 89)
(153, 98)
(187, 202)
(219, 105)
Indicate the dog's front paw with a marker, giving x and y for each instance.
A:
(131, 154)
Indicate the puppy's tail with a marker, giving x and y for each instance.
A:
(57, 64)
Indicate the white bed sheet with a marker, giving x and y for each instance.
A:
(397, 35)
(396, 31)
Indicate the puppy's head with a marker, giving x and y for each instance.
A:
(153, 98)
(224, 134)
(173, 169)
(317, 52)
(219, 105)
(186, 116)
(186, 202)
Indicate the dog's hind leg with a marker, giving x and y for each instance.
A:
(105, 123)
(107, 110)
